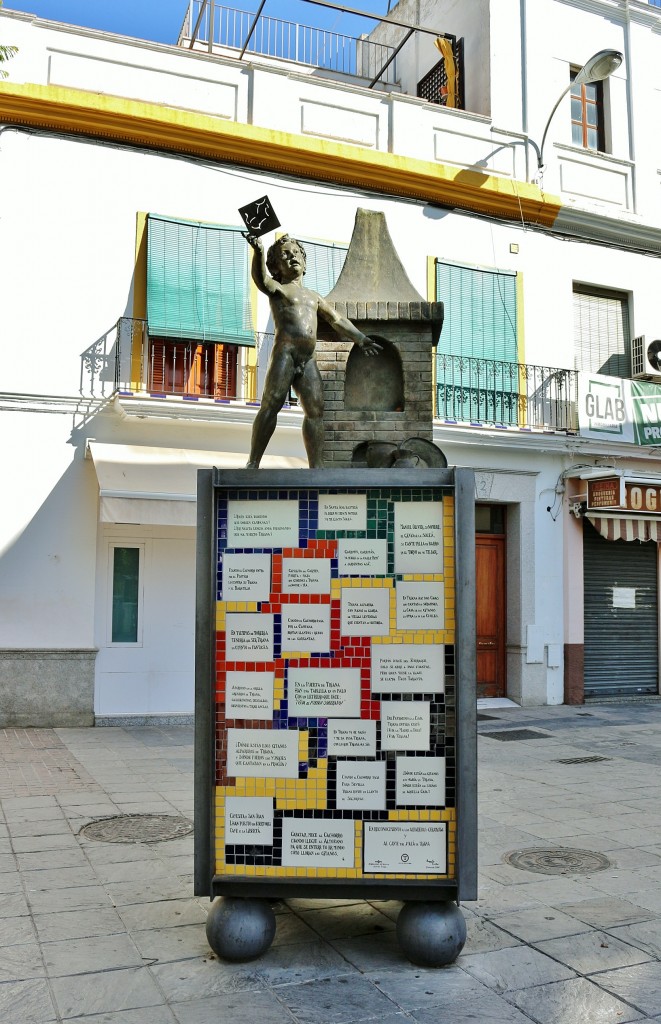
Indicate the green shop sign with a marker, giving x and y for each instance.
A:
(646, 412)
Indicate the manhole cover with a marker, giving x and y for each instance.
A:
(137, 828)
(509, 735)
(557, 861)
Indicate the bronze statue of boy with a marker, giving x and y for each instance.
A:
(295, 310)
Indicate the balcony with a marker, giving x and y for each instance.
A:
(492, 393)
(128, 362)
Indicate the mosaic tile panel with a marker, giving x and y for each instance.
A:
(335, 710)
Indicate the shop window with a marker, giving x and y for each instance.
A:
(601, 331)
(125, 596)
(587, 114)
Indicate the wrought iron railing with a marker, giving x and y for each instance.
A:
(491, 392)
(127, 358)
(229, 28)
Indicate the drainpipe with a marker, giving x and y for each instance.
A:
(523, 21)
(630, 115)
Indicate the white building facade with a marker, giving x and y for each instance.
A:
(135, 343)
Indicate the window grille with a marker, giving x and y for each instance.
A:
(433, 86)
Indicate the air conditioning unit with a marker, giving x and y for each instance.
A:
(646, 359)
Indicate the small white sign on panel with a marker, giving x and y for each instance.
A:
(262, 524)
(411, 847)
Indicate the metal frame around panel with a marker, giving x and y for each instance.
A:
(204, 755)
(465, 671)
(462, 483)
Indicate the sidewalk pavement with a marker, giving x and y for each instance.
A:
(106, 933)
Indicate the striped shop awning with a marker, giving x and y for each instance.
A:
(626, 528)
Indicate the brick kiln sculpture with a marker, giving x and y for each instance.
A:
(388, 398)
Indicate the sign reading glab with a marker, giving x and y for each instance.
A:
(330, 686)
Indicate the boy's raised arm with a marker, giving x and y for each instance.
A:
(260, 274)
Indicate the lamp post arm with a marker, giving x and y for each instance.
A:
(540, 153)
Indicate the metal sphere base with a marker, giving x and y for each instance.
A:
(240, 929)
(431, 934)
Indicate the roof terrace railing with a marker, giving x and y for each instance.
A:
(219, 28)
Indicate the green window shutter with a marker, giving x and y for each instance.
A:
(602, 342)
(197, 282)
(477, 369)
(323, 265)
(480, 312)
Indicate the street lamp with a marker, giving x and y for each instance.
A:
(600, 66)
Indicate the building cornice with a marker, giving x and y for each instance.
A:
(173, 130)
(13, 401)
(624, 234)
(204, 410)
(541, 442)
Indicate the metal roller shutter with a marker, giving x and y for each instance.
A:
(621, 643)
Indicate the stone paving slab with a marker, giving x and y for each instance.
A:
(103, 933)
(573, 1002)
(36, 762)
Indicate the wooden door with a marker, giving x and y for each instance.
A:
(490, 609)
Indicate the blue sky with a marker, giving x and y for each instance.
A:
(160, 20)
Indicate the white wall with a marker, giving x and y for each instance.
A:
(521, 473)
(47, 533)
(501, 97)
(73, 242)
(68, 213)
